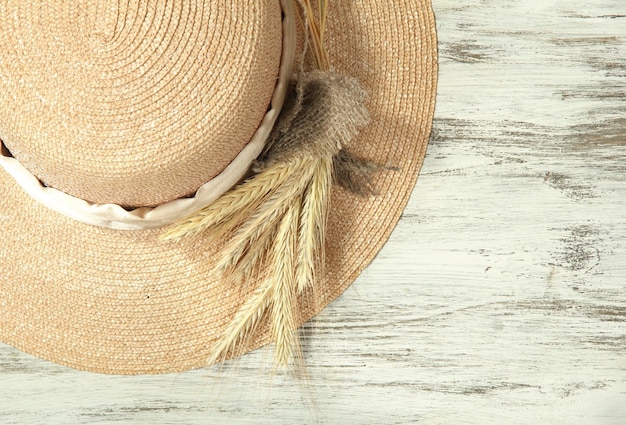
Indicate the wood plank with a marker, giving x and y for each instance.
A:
(501, 296)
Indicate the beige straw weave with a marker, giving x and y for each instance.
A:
(142, 103)
(170, 76)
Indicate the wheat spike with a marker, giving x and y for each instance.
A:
(311, 240)
(283, 305)
(243, 324)
(267, 213)
(233, 206)
(282, 245)
(276, 220)
(277, 293)
(251, 262)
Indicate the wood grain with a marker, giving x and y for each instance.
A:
(501, 296)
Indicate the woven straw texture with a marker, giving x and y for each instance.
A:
(126, 302)
(170, 75)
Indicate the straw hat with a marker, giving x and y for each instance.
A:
(124, 122)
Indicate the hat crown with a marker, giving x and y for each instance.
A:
(135, 103)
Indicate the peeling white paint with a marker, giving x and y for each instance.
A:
(501, 296)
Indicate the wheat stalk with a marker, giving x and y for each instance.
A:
(316, 31)
(276, 223)
(251, 262)
(243, 324)
(266, 215)
(284, 300)
(234, 206)
(277, 293)
(312, 230)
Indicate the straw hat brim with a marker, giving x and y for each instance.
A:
(126, 302)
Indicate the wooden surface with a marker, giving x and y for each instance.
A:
(501, 296)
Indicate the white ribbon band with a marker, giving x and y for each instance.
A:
(115, 217)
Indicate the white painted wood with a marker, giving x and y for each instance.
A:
(501, 296)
